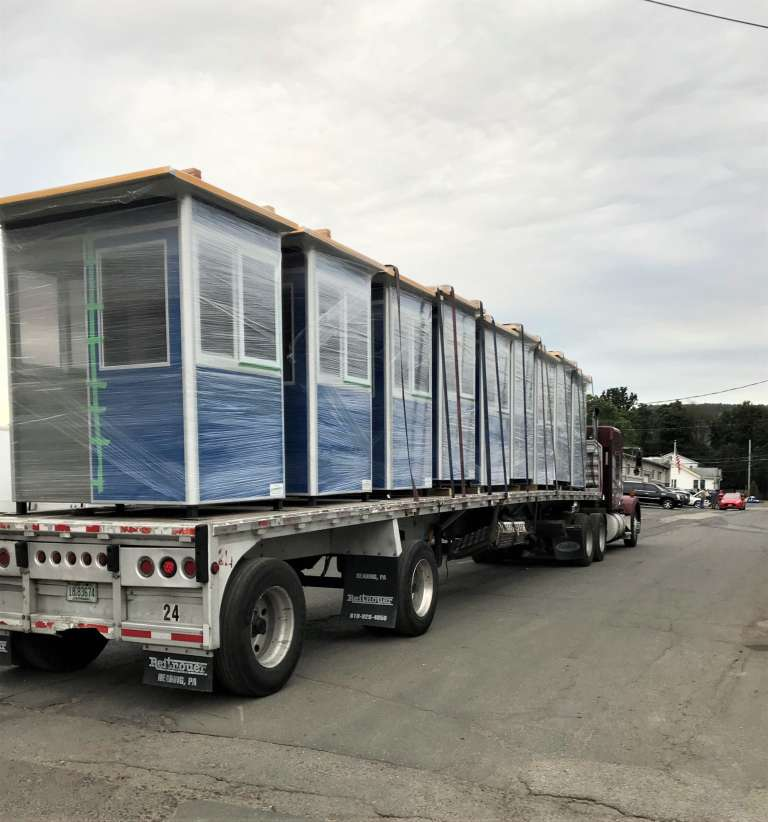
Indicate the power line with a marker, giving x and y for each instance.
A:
(709, 393)
(707, 14)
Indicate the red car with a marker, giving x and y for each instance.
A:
(732, 501)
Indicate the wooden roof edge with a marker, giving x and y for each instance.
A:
(449, 290)
(86, 185)
(563, 358)
(102, 183)
(519, 330)
(202, 185)
(323, 240)
(414, 285)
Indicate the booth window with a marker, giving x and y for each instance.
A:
(415, 360)
(238, 300)
(344, 333)
(134, 317)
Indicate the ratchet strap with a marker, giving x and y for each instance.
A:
(501, 410)
(441, 335)
(402, 380)
(458, 390)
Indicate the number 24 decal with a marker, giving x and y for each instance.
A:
(170, 612)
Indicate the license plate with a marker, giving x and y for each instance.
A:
(81, 592)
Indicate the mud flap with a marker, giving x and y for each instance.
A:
(7, 655)
(173, 669)
(370, 591)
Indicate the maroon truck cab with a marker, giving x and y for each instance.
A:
(612, 487)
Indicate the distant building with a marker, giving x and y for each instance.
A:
(651, 470)
(688, 474)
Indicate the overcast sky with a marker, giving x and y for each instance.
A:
(596, 169)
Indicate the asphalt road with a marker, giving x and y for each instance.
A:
(636, 689)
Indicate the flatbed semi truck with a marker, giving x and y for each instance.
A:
(217, 595)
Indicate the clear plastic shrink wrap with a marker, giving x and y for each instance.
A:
(465, 349)
(498, 364)
(328, 395)
(158, 356)
(402, 388)
(145, 361)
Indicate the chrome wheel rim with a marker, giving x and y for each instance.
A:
(273, 623)
(422, 587)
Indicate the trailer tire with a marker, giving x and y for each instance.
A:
(416, 590)
(634, 531)
(581, 530)
(262, 623)
(599, 528)
(60, 653)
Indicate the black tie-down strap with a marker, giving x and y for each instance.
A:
(459, 422)
(441, 335)
(402, 379)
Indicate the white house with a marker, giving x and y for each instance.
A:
(688, 474)
(650, 470)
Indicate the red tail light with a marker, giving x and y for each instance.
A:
(5, 558)
(101, 559)
(71, 558)
(168, 567)
(40, 557)
(55, 557)
(189, 567)
(146, 567)
(86, 558)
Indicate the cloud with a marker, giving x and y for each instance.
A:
(596, 170)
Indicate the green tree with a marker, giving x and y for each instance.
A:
(620, 397)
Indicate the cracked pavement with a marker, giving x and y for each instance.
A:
(631, 690)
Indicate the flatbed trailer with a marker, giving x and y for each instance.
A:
(220, 590)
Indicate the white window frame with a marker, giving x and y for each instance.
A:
(410, 338)
(99, 255)
(347, 378)
(239, 361)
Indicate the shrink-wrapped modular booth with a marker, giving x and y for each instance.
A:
(145, 342)
(173, 344)
(454, 388)
(402, 395)
(328, 374)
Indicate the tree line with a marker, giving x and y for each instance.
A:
(713, 434)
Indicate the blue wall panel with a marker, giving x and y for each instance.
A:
(343, 438)
(419, 413)
(239, 419)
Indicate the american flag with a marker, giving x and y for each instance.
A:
(677, 458)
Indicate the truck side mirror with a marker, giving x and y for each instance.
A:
(638, 462)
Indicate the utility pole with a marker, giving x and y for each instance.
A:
(676, 467)
(749, 467)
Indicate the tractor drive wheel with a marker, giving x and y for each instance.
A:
(598, 535)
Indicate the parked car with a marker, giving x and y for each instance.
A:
(651, 492)
(733, 501)
(752, 498)
(683, 495)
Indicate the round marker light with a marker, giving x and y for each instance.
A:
(146, 567)
(40, 557)
(5, 557)
(101, 559)
(189, 566)
(71, 558)
(55, 557)
(214, 567)
(86, 558)
(168, 567)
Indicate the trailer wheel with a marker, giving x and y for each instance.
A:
(64, 652)
(630, 539)
(597, 521)
(416, 590)
(262, 622)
